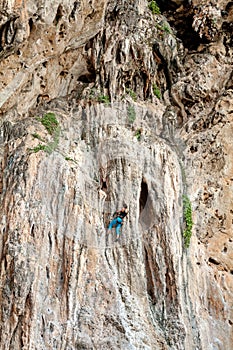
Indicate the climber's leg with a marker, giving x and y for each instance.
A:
(119, 224)
(112, 223)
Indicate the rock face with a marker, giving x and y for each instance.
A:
(106, 102)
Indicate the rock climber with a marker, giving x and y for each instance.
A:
(118, 220)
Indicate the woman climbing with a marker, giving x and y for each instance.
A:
(118, 220)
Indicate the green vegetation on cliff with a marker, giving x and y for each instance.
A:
(154, 7)
(187, 233)
(51, 124)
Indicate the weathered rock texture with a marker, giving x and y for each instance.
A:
(143, 104)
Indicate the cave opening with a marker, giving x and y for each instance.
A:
(181, 18)
(165, 5)
(88, 77)
(104, 186)
(143, 195)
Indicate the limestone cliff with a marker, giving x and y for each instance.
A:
(105, 102)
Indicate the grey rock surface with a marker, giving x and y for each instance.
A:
(140, 114)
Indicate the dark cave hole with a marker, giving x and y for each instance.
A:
(104, 186)
(213, 261)
(30, 23)
(224, 249)
(165, 5)
(87, 78)
(182, 22)
(143, 195)
(58, 15)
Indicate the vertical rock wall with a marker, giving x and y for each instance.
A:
(141, 119)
